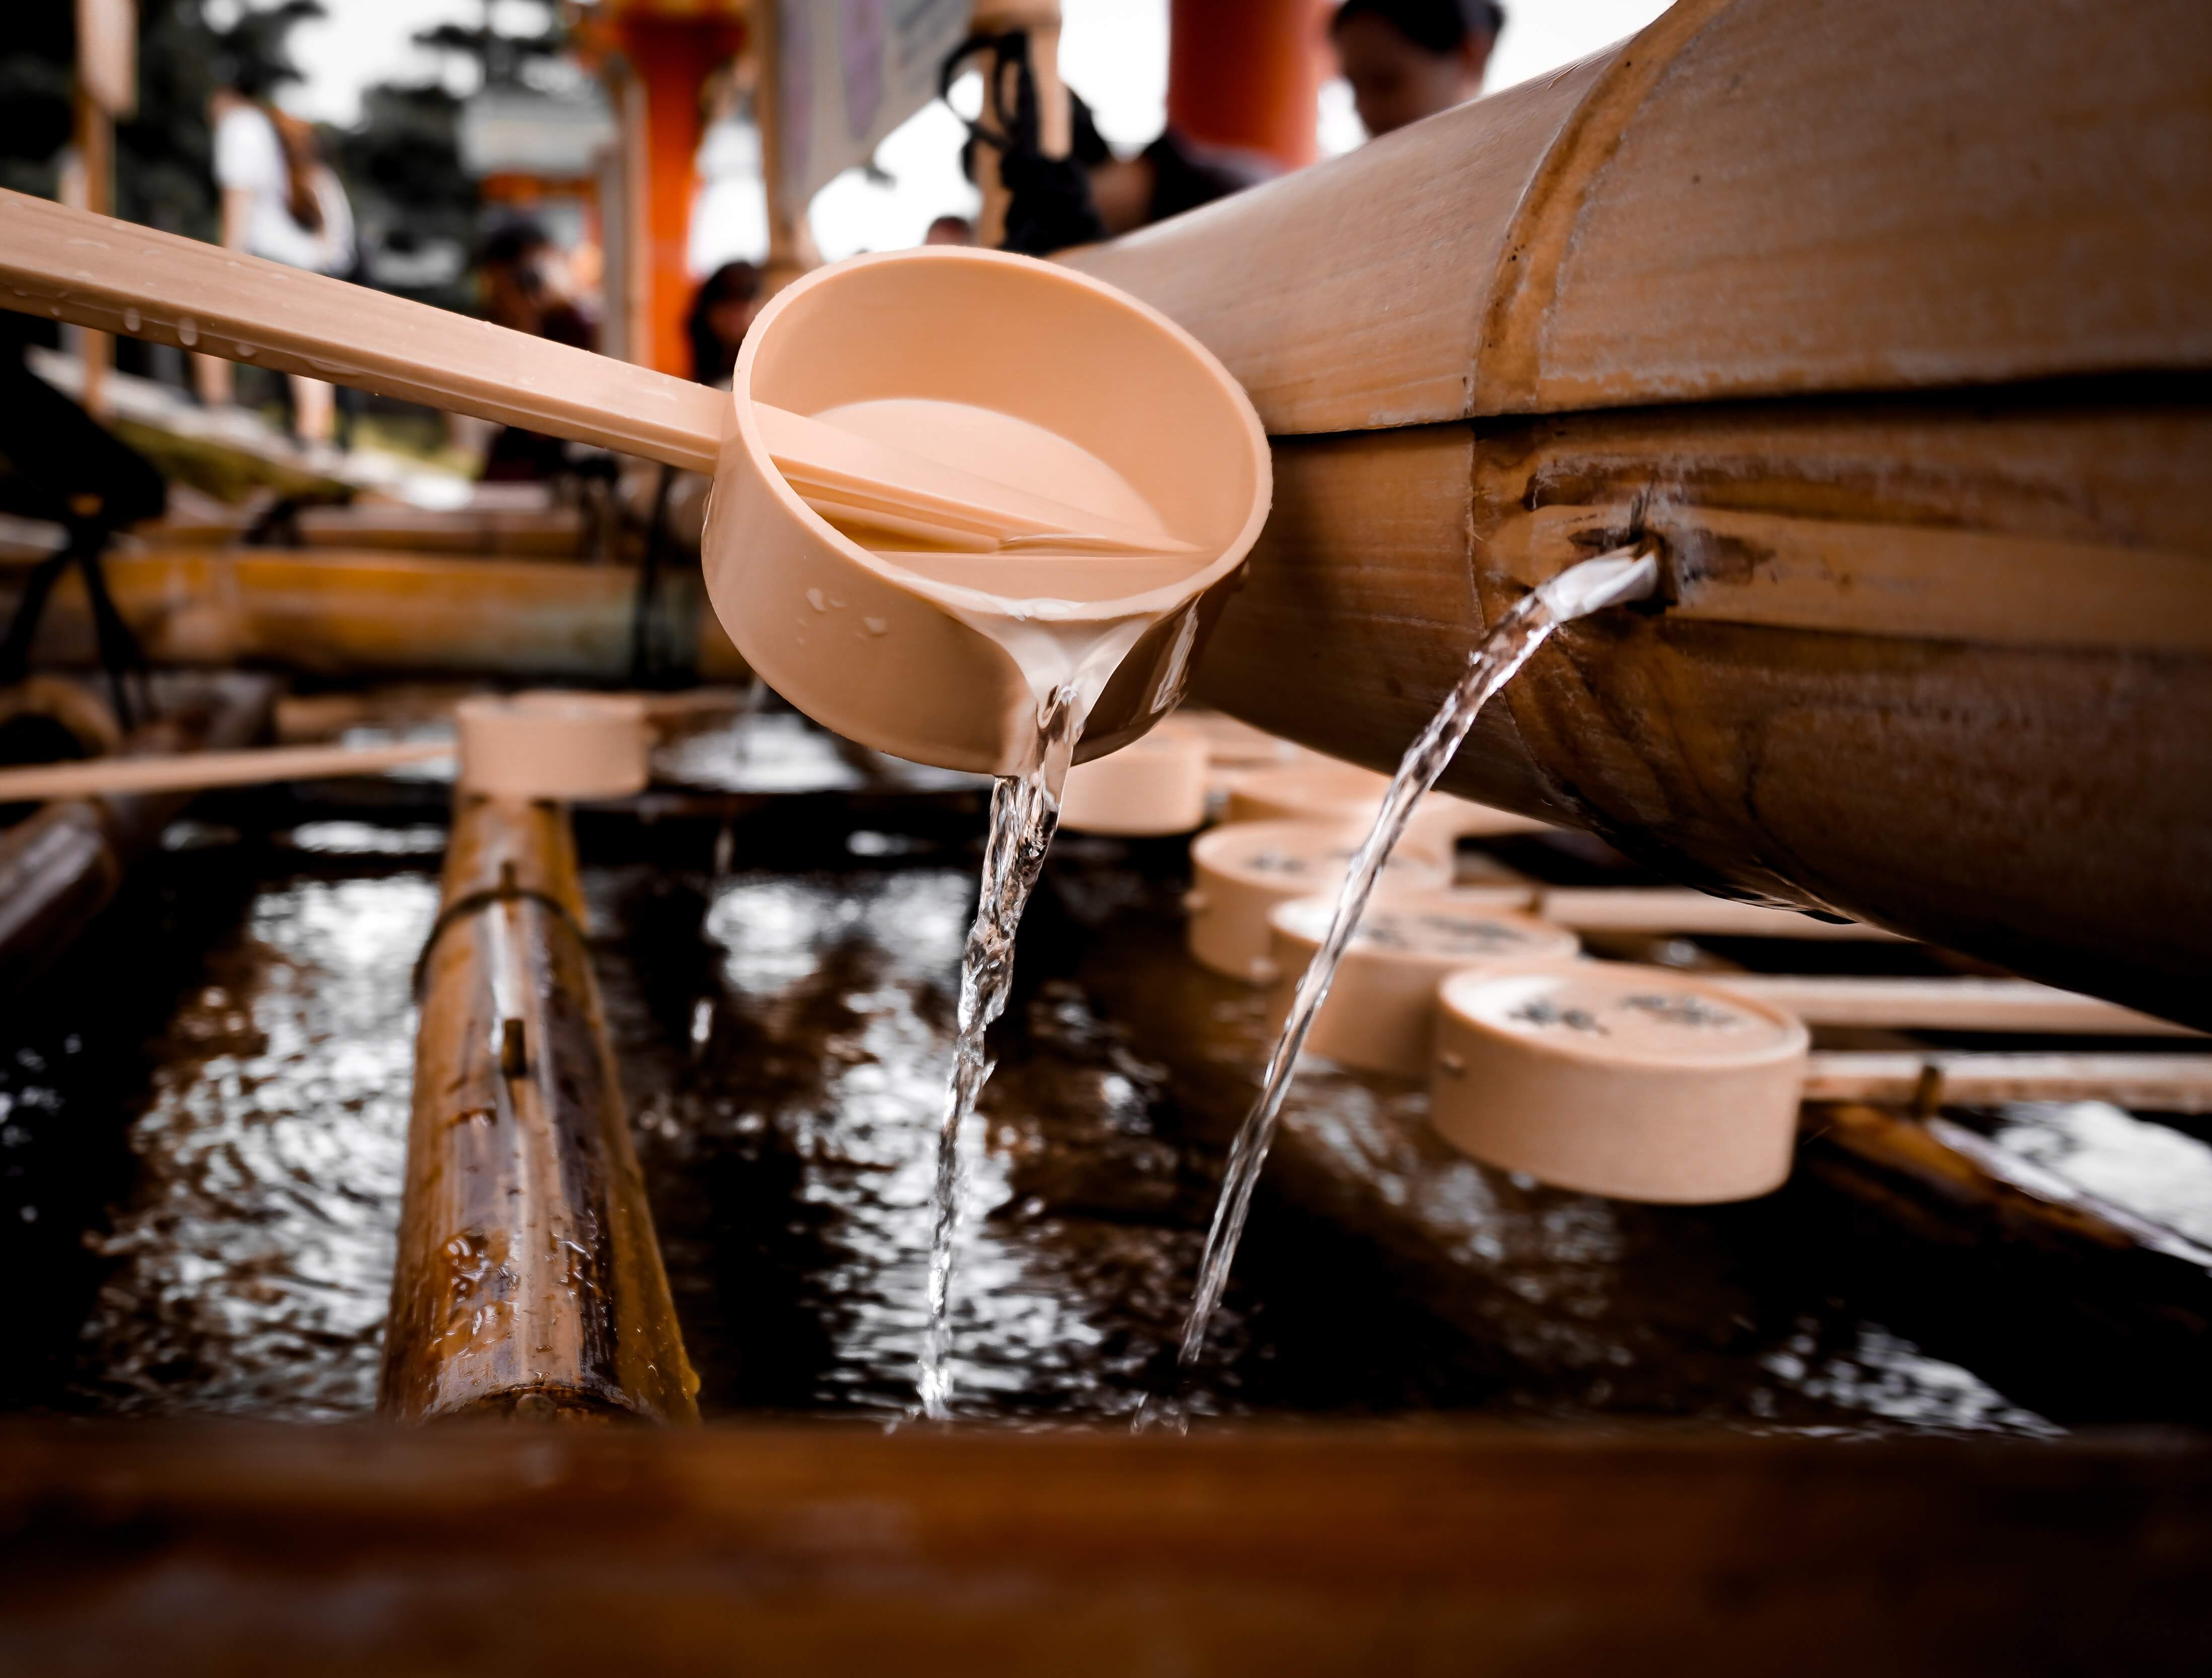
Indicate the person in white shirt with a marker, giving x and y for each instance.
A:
(280, 200)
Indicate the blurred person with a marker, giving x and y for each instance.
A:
(282, 201)
(1092, 193)
(672, 504)
(523, 285)
(1174, 173)
(950, 230)
(1407, 59)
(721, 314)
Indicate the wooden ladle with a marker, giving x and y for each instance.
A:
(117, 277)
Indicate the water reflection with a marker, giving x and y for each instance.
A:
(2143, 1168)
(823, 1074)
(782, 1038)
(252, 1262)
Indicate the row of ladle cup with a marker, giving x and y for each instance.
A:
(1634, 1081)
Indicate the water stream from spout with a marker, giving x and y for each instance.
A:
(1025, 810)
(1608, 580)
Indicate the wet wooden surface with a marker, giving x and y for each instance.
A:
(776, 966)
(1416, 1550)
(335, 613)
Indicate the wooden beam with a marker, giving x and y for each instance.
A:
(89, 184)
(379, 612)
(552, 532)
(2160, 1082)
(196, 771)
(529, 1284)
(1295, 1551)
(1632, 908)
(1948, 1005)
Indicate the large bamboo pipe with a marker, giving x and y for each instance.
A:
(384, 612)
(528, 1283)
(61, 865)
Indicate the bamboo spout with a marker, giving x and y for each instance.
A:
(529, 1284)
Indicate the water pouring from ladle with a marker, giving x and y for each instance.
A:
(968, 508)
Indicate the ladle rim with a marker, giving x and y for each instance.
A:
(958, 598)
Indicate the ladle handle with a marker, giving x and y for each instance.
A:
(194, 771)
(115, 276)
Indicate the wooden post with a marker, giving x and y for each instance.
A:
(626, 284)
(88, 183)
(106, 88)
(791, 249)
(1248, 73)
(670, 51)
(528, 1284)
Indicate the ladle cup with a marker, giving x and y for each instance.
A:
(1001, 367)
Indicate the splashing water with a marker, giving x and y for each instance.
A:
(1626, 575)
(1025, 810)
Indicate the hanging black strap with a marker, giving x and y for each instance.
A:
(1049, 206)
(120, 653)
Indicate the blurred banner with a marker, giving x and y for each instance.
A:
(107, 54)
(850, 71)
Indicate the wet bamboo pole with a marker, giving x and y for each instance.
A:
(196, 771)
(61, 865)
(335, 612)
(361, 612)
(529, 1284)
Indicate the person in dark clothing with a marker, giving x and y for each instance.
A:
(1092, 194)
(519, 278)
(1407, 59)
(60, 465)
(1174, 173)
(721, 314)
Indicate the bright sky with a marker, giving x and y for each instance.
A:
(1113, 51)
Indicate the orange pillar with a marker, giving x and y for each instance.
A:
(672, 58)
(1247, 73)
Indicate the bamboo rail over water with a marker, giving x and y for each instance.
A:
(62, 865)
(335, 612)
(529, 1283)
